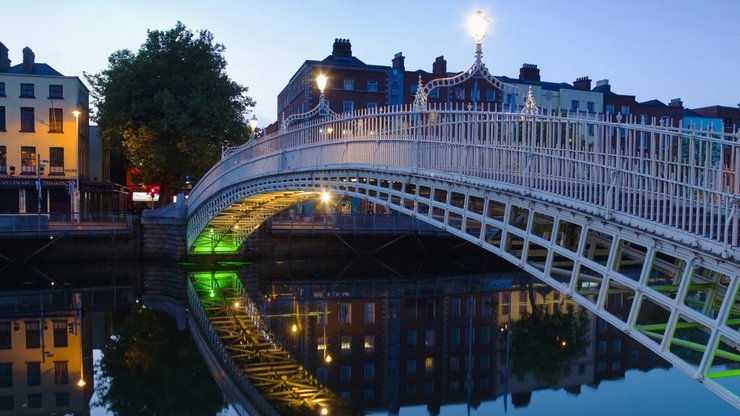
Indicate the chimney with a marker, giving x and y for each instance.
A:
(582, 83)
(28, 59)
(439, 67)
(342, 48)
(4, 61)
(676, 102)
(398, 61)
(529, 72)
(604, 84)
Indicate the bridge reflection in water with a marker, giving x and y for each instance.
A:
(402, 341)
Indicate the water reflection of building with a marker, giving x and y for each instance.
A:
(45, 355)
(404, 343)
(41, 365)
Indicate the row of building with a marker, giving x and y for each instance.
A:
(53, 162)
(355, 85)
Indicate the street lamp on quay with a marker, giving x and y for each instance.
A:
(76, 194)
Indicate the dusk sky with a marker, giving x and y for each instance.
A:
(659, 49)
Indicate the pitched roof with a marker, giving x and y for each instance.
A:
(36, 69)
(654, 103)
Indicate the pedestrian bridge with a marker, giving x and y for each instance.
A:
(637, 222)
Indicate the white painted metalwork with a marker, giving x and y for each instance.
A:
(593, 207)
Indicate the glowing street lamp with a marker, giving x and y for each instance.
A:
(477, 25)
(253, 123)
(321, 109)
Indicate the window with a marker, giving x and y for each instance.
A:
(434, 93)
(411, 309)
(33, 334)
(320, 344)
(411, 389)
(2, 118)
(411, 338)
(6, 375)
(394, 88)
(60, 334)
(324, 308)
(485, 361)
(413, 89)
(2, 89)
(34, 401)
(430, 309)
(574, 105)
(610, 109)
(590, 106)
(459, 93)
(62, 399)
(429, 387)
(634, 356)
(601, 347)
(56, 121)
(33, 373)
(56, 167)
(616, 365)
(27, 119)
(372, 106)
(485, 335)
(429, 338)
(6, 403)
(28, 160)
(429, 364)
(454, 363)
(368, 371)
(411, 366)
(486, 307)
(469, 336)
(345, 313)
(617, 346)
(348, 106)
(369, 313)
(455, 337)
(625, 110)
(346, 344)
(349, 84)
(372, 85)
(368, 395)
(56, 92)
(490, 96)
(345, 373)
(454, 386)
(27, 91)
(60, 372)
(5, 335)
(602, 326)
(369, 343)
(455, 308)
(322, 374)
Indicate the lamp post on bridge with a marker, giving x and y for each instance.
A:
(253, 123)
(322, 108)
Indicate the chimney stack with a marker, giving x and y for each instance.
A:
(676, 102)
(529, 72)
(603, 85)
(582, 83)
(342, 48)
(28, 59)
(4, 60)
(439, 67)
(398, 61)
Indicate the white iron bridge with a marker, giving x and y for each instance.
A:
(639, 223)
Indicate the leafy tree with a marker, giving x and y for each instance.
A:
(149, 367)
(170, 106)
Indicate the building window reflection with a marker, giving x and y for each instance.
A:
(411, 338)
(346, 344)
(369, 313)
(33, 373)
(62, 399)
(33, 335)
(6, 375)
(411, 366)
(6, 403)
(429, 364)
(345, 313)
(61, 376)
(369, 343)
(345, 373)
(60, 333)
(5, 338)
(368, 371)
(34, 401)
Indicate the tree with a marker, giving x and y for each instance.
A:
(170, 106)
(149, 367)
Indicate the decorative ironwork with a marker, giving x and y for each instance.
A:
(322, 108)
(530, 105)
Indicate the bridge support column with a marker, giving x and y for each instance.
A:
(163, 232)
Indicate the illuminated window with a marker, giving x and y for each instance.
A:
(346, 344)
(320, 344)
(369, 343)
(369, 313)
(429, 364)
(61, 376)
(33, 373)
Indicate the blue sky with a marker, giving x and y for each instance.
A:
(660, 49)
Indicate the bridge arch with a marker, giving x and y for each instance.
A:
(605, 224)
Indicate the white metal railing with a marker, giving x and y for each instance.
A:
(685, 179)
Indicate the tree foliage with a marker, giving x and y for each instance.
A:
(149, 367)
(170, 106)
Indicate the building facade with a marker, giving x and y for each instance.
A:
(43, 137)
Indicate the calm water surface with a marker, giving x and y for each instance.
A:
(397, 331)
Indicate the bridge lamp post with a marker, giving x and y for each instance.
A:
(253, 123)
(322, 108)
(477, 24)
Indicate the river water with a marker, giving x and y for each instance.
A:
(398, 331)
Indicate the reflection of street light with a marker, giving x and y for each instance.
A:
(294, 328)
(76, 195)
(253, 123)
